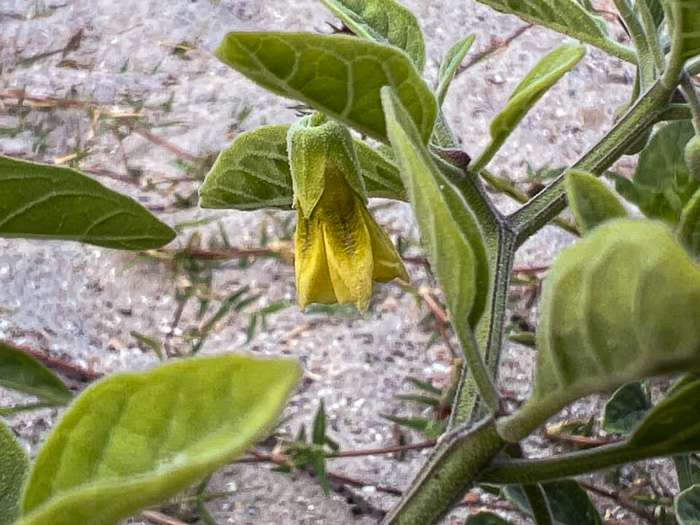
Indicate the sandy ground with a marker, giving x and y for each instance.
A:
(81, 302)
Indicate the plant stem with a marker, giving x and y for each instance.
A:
(652, 35)
(551, 201)
(459, 458)
(645, 58)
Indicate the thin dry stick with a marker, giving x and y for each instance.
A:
(66, 369)
(581, 440)
(159, 518)
(172, 148)
(496, 46)
(441, 319)
(617, 498)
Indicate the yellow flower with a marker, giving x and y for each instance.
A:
(340, 249)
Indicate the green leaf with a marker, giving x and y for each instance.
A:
(450, 64)
(661, 164)
(565, 499)
(686, 21)
(591, 201)
(48, 202)
(626, 408)
(421, 400)
(20, 371)
(432, 428)
(253, 173)
(565, 16)
(14, 465)
(319, 433)
(449, 230)
(620, 305)
(687, 505)
(535, 84)
(485, 518)
(338, 75)
(383, 21)
(689, 226)
(135, 439)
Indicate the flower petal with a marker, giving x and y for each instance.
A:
(387, 261)
(312, 277)
(347, 241)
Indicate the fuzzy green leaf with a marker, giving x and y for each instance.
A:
(135, 439)
(383, 21)
(20, 371)
(591, 201)
(449, 65)
(689, 226)
(564, 16)
(49, 202)
(535, 84)
(449, 230)
(253, 173)
(626, 408)
(14, 465)
(338, 75)
(620, 305)
(687, 505)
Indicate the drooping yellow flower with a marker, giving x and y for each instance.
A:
(340, 249)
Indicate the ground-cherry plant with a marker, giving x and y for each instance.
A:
(619, 306)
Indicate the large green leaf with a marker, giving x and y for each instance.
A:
(449, 230)
(136, 439)
(626, 408)
(383, 21)
(450, 64)
(686, 21)
(591, 201)
(20, 371)
(42, 201)
(687, 505)
(13, 469)
(253, 173)
(620, 305)
(535, 84)
(689, 226)
(565, 499)
(564, 16)
(338, 75)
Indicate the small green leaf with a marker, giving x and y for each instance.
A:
(135, 439)
(535, 84)
(450, 64)
(620, 305)
(591, 201)
(49, 202)
(319, 433)
(452, 236)
(14, 465)
(689, 226)
(626, 408)
(485, 518)
(661, 164)
(565, 499)
(253, 173)
(432, 428)
(687, 505)
(421, 400)
(383, 21)
(565, 16)
(425, 386)
(20, 371)
(338, 75)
